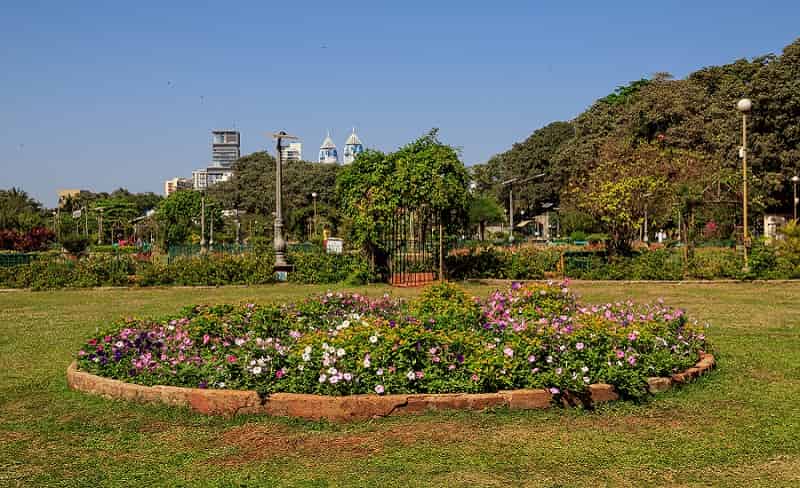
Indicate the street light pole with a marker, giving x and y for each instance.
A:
(314, 196)
(511, 201)
(744, 106)
(278, 242)
(795, 200)
(202, 224)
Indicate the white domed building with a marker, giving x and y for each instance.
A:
(352, 148)
(327, 151)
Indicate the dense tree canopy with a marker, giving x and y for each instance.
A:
(652, 123)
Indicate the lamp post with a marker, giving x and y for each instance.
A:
(646, 236)
(510, 184)
(744, 106)
(314, 196)
(100, 226)
(281, 266)
(795, 200)
(202, 224)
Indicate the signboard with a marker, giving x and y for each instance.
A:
(334, 245)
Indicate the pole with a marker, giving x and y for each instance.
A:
(746, 237)
(794, 201)
(511, 213)
(315, 215)
(441, 256)
(646, 237)
(202, 224)
(100, 227)
(278, 242)
(211, 238)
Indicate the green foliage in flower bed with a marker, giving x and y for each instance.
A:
(537, 336)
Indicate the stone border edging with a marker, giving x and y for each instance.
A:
(351, 407)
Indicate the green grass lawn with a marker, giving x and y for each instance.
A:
(739, 426)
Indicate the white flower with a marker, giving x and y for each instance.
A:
(367, 362)
(379, 372)
(120, 344)
(584, 369)
(322, 378)
(348, 377)
(300, 367)
(586, 379)
(261, 362)
(307, 350)
(373, 339)
(411, 376)
(340, 352)
(257, 370)
(332, 371)
(306, 357)
(334, 380)
(239, 341)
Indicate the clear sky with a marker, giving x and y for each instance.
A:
(98, 95)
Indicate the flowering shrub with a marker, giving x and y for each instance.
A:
(534, 336)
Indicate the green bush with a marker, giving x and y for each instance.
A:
(320, 267)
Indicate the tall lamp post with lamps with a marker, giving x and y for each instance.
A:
(281, 266)
(795, 199)
(510, 184)
(744, 106)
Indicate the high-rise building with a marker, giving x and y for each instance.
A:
(175, 184)
(352, 148)
(327, 151)
(224, 148)
(292, 152)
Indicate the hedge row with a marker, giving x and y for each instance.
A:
(659, 264)
(209, 270)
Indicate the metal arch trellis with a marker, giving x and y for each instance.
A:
(413, 246)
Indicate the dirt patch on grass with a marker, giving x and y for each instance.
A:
(253, 442)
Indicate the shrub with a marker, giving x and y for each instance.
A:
(75, 244)
(321, 267)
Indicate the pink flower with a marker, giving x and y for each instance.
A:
(579, 346)
(231, 358)
(379, 389)
(554, 391)
(508, 352)
(279, 374)
(632, 360)
(531, 358)
(419, 375)
(206, 339)
(474, 377)
(620, 354)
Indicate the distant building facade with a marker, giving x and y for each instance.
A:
(225, 150)
(175, 184)
(64, 195)
(292, 152)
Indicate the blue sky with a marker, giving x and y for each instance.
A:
(99, 95)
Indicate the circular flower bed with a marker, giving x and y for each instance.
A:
(527, 337)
